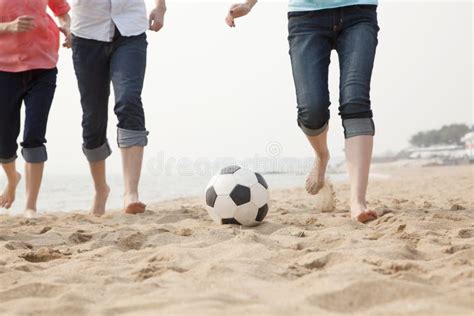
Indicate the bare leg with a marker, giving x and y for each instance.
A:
(358, 157)
(34, 176)
(315, 180)
(102, 190)
(13, 178)
(132, 159)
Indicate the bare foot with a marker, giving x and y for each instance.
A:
(100, 200)
(361, 213)
(315, 179)
(29, 213)
(133, 205)
(8, 196)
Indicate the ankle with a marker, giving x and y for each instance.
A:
(13, 177)
(130, 193)
(131, 197)
(101, 189)
(358, 203)
(31, 206)
(322, 155)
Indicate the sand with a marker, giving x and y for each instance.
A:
(416, 259)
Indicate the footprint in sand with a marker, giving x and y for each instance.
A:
(44, 230)
(396, 267)
(457, 207)
(466, 233)
(453, 249)
(134, 241)
(80, 237)
(152, 271)
(42, 255)
(309, 263)
(14, 245)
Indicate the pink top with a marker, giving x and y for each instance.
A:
(37, 49)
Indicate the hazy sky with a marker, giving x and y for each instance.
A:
(212, 91)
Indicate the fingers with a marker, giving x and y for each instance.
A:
(230, 16)
(67, 42)
(26, 18)
(229, 20)
(236, 11)
(156, 19)
(68, 37)
(156, 22)
(25, 23)
(156, 26)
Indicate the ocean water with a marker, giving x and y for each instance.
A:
(69, 193)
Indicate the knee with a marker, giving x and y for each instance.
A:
(7, 158)
(8, 151)
(129, 111)
(94, 133)
(313, 116)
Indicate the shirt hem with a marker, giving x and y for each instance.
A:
(315, 7)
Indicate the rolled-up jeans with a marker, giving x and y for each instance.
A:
(35, 88)
(97, 64)
(352, 31)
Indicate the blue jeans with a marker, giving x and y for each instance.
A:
(36, 88)
(352, 31)
(97, 64)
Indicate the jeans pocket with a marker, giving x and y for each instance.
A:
(300, 15)
(367, 7)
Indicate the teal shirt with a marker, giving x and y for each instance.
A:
(311, 5)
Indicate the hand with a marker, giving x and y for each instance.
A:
(23, 23)
(157, 18)
(67, 36)
(237, 11)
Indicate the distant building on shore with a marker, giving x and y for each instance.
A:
(447, 153)
(468, 140)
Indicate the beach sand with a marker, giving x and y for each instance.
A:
(416, 259)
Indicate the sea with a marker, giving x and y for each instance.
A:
(74, 192)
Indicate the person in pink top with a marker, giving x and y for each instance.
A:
(29, 44)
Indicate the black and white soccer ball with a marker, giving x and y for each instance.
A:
(237, 196)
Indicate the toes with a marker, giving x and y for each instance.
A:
(373, 214)
(8, 204)
(135, 208)
(365, 217)
(314, 188)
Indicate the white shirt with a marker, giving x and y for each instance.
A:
(96, 19)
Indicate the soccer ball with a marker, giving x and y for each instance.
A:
(237, 196)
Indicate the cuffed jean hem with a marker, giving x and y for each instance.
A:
(35, 154)
(358, 126)
(312, 132)
(128, 138)
(97, 154)
(9, 160)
